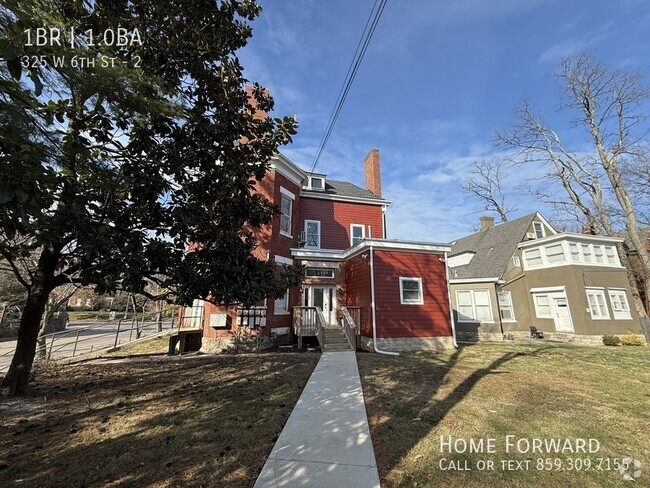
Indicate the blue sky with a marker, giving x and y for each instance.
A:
(438, 79)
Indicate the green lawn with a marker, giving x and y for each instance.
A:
(491, 391)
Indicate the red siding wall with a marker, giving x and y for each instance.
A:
(269, 236)
(336, 217)
(357, 279)
(430, 319)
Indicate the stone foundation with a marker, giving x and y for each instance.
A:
(586, 340)
(466, 336)
(405, 344)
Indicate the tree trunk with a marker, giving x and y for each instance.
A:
(17, 378)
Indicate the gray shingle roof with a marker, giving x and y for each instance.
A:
(345, 189)
(493, 247)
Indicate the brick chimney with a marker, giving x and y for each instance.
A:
(486, 223)
(258, 114)
(372, 171)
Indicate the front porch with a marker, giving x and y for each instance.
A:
(311, 322)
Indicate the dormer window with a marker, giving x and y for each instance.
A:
(316, 182)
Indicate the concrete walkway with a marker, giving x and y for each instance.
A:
(326, 441)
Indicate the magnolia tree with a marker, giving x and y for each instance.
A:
(126, 134)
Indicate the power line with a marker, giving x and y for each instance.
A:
(362, 46)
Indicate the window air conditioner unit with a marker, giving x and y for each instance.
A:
(302, 238)
(530, 235)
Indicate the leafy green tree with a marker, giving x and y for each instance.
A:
(116, 156)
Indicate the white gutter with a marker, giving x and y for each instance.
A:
(451, 310)
(372, 306)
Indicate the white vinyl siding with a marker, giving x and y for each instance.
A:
(506, 309)
(620, 305)
(474, 306)
(597, 303)
(410, 290)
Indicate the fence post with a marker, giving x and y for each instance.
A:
(51, 347)
(117, 334)
(74, 350)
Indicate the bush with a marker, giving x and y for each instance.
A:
(611, 340)
(633, 340)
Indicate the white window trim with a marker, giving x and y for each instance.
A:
(541, 227)
(319, 233)
(401, 291)
(568, 261)
(538, 314)
(511, 307)
(516, 262)
(622, 315)
(286, 311)
(312, 178)
(320, 268)
(283, 260)
(363, 232)
(597, 291)
(292, 197)
(475, 320)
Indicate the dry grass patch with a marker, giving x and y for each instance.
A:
(165, 422)
(493, 390)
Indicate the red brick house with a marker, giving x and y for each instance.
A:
(395, 291)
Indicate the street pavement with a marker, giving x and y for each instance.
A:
(91, 337)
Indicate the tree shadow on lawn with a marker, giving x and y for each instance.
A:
(201, 422)
(400, 393)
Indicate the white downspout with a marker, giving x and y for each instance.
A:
(451, 310)
(372, 306)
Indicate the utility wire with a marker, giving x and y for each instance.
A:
(362, 46)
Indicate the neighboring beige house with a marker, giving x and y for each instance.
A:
(509, 277)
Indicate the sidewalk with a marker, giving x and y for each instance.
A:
(326, 441)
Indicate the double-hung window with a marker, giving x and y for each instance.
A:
(620, 305)
(286, 211)
(410, 290)
(533, 258)
(474, 306)
(281, 305)
(312, 233)
(597, 303)
(506, 309)
(357, 233)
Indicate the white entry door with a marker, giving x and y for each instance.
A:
(324, 298)
(563, 321)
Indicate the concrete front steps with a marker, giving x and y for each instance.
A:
(335, 340)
